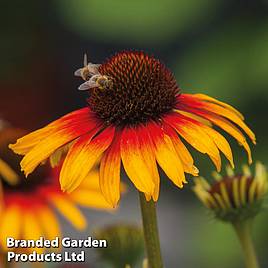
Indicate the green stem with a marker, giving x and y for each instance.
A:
(243, 231)
(151, 232)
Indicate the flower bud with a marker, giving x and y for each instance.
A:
(125, 245)
(234, 197)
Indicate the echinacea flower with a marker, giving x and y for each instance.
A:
(27, 206)
(137, 115)
(234, 197)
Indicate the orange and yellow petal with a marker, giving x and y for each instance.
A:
(195, 117)
(67, 208)
(91, 199)
(148, 151)
(231, 116)
(233, 131)
(82, 156)
(10, 224)
(221, 143)
(31, 227)
(49, 222)
(204, 106)
(29, 141)
(134, 161)
(7, 173)
(44, 149)
(89, 194)
(42, 143)
(185, 156)
(110, 172)
(204, 97)
(167, 156)
(195, 136)
(217, 138)
(229, 128)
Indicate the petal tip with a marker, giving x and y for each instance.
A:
(218, 168)
(12, 147)
(63, 188)
(155, 198)
(114, 205)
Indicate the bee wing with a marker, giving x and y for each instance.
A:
(78, 72)
(93, 68)
(88, 85)
(85, 59)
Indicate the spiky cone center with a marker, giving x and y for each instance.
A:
(235, 198)
(142, 89)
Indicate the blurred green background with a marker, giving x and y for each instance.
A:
(216, 47)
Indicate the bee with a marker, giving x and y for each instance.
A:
(93, 78)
